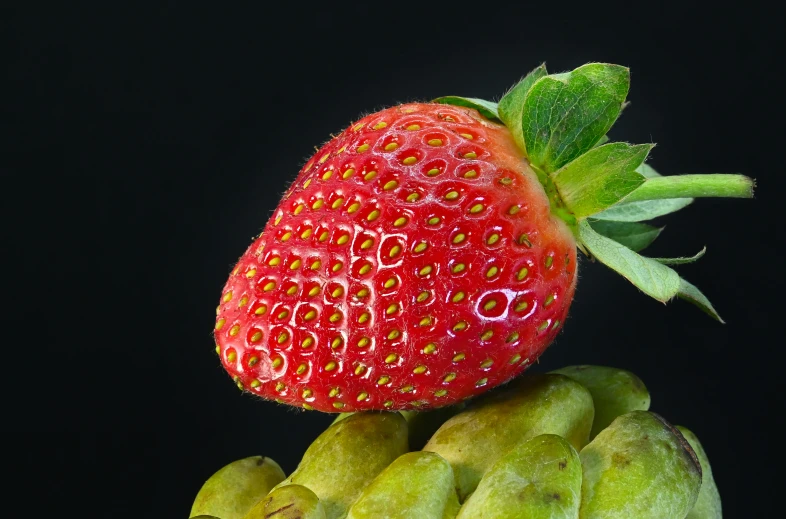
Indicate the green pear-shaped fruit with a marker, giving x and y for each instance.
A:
(417, 485)
(288, 502)
(539, 479)
(347, 456)
(639, 466)
(614, 392)
(473, 440)
(232, 491)
(708, 504)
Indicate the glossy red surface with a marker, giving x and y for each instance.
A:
(413, 263)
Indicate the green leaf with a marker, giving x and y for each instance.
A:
(511, 106)
(603, 140)
(635, 236)
(487, 109)
(681, 261)
(652, 278)
(567, 114)
(693, 295)
(640, 211)
(601, 177)
(648, 171)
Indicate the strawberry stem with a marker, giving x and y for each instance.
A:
(693, 186)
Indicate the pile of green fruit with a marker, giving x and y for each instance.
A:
(579, 442)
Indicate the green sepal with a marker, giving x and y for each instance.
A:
(565, 115)
(641, 211)
(683, 260)
(487, 109)
(651, 277)
(693, 295)
(600, 177)
(635, 236)
(511, 106)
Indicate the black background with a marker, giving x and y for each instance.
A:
(142, 148)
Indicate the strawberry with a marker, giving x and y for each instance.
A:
(428, 253)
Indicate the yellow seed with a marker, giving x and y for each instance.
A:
(307, 182)
(338, 341)
(521, 306)
(420, 247)
(490, 273)
(392, 146)
(311, 314)
(365, 269)
(270, 285)
(243, 301)
(232, 356)
(515, 359)
(488, 334)
(435, 142)
(373, 215)
(392, 309)
(452, 195)
(426, 321)
(256, 336)
(323, 236)
(276, 362)
(549, 261)
(251, 273)
(522, 273)
(358, 126)
(514, 209)
(420, 369)
(317, 204)
(341, 150)
(481, 382)
(512, 337)
(352, 208)
(413, 127)
(407, 389)
(337, 292)
(365, 341)
(430, 348)
(282, 338)
(314, 291)
(380, 125)
(543, 326)
(344, 238)
(476, 208)
(365, 316)
(549, 300)
(440, 392)
(307, 342)
(286, 236)
(391, 358)
(261, 310)
(337, 203)
(409, 161)
(330, 366)
(348, 173)
(307, 393)
(423, 296)
(433, 220)
(458, 357)
(390, 283)
(395, 251)
(370, 175)
(425, 271)
(334, 392)
(384, 379)
(471, 155)
(470, 174)
(292, 290)
(433, 172)
(366, 244)
(327, 174)
(338, 405)
(487, 363)
(458, 267)
(324, 157)
(336, 317)
(218, 308)
(255, 383)
(252, 361)
(278, 219)
(362, 396)
(490, 305)
(394, 334)
(399, 221)
(307, 407)
(301, 369)
(460, 237)
(274, 261)
(220, 323)
(295, 265)
(228, 297)
(280, 387)
(556, 323)
(494, 238)
(363, 292)
(360, 369)
(461, 325)
(388, 403)
(282, 315)
(362, 148)
(467, 136)
(458, 297)
(391, 184)
(450, 377)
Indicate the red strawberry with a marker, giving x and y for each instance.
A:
(428, 253)
(414, 261)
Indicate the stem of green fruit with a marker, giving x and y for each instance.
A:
(693, 186)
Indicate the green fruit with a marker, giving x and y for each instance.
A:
(708, 504)
(639, 466)
(473, 440)
(416, 485)
(234, 489)
(614, 392)
(423, 424)
(205, 517)
(539, 479)
(288, 502)
(347, 456)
